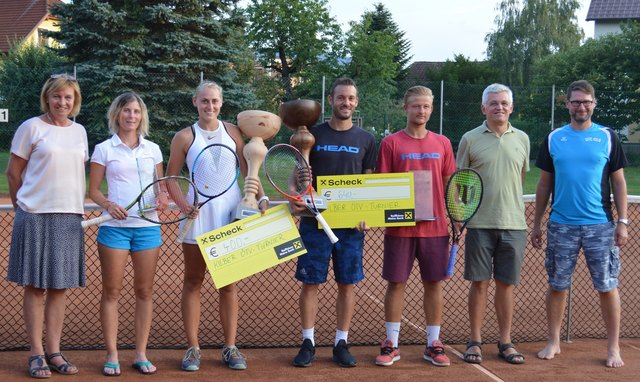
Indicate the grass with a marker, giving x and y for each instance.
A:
(632, 174)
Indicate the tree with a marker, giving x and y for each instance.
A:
(158, 48)
(293, 38)
(23, 71)
(374, 68)
(382, 21)
(529, 30)
(610, 63)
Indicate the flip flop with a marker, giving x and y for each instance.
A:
(42, 366)
(139, 366)
(473, 357)
(510, 358)
(63, 368)
(114, 366)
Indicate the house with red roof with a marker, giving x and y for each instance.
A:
(23, 21)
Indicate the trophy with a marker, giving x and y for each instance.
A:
(299, 115)
(259, 126)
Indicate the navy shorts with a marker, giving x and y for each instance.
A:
(133, 239)
(346, 254)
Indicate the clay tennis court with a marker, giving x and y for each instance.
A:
(269, 330)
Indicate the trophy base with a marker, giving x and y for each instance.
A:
(243, 212)
(319, 201)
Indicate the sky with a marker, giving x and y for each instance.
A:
(438, 32)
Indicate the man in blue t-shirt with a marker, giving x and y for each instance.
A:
(581, 164)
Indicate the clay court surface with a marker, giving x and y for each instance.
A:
(269, 317)
(582, 360)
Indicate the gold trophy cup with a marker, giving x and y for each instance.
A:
(259, 126)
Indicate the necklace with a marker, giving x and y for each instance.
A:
(49, 118)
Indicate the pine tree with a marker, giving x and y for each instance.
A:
(157, 48)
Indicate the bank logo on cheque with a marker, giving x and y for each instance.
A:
(289, 248)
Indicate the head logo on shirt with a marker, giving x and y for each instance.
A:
(420, 156)
(337, 149)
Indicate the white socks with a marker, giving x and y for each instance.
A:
(309, 333)
(393, 332)
(433, 334)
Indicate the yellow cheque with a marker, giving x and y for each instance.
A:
(382, 200)
(250, 245)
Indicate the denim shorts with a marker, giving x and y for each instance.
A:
(130, 238)
(602, 256)
(346, 254)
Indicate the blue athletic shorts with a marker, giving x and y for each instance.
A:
(602, 256)
(132, 239)
(346, 254)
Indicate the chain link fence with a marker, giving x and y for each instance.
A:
(269, 301)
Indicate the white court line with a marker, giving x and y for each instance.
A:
(422, 330)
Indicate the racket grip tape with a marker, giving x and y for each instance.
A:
(98, 220)
(452, 259)
(332, 237)
(185, 229)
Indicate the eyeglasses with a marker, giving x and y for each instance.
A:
(583, 103)
(64, 76)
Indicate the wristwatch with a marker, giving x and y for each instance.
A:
(624, 221)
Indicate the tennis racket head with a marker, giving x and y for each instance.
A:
(463, 195)
(287, 170)
(215, 170)
(180, 194)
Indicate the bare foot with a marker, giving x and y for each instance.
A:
(549, 351)
(614, 360)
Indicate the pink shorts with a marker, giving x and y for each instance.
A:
(399, 253)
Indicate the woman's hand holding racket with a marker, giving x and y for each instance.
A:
(153, 204)
(463, 196)
(288, 171)
(214, 171)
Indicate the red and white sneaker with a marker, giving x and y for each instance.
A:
(388, 354)
(435, 354)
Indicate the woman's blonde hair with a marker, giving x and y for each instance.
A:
(56, 83)
(116, 108)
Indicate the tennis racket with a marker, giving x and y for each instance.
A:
(463, 196)
(290, 174)
(174, 188)
(214, 171)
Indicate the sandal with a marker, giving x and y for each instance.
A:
(473, 357)
(63, 368)
(510, 358)
(139, 366)
(114, 366)
(42, 366)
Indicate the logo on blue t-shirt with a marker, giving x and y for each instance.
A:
(336, 148)
(420, 156)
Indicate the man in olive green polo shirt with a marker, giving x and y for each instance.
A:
(497, 234)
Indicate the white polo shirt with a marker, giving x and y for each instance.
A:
(128, 171)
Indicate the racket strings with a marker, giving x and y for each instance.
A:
(180, 196)
(215, 170)
(287, 170)
(463, 195)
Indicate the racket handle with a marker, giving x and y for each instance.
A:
(98, 220)
(327, 229)
(452, 259)
(185, 229)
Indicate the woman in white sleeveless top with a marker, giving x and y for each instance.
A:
(186, 144)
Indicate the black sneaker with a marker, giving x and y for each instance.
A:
(306, 355)
(342, 356)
